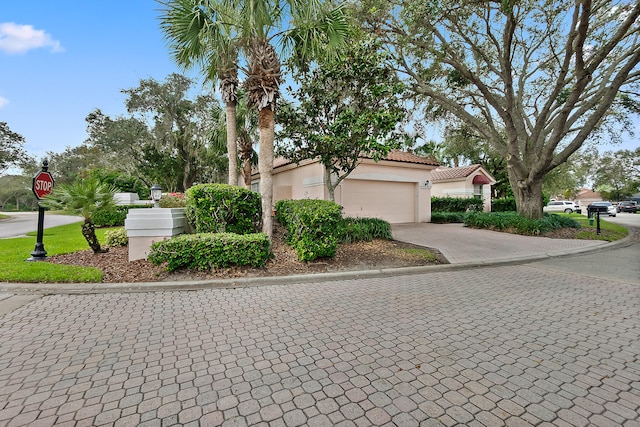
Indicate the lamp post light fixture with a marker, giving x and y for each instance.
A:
(156, 195)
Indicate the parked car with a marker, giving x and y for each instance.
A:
(560, 206)
(611, 210)
(628, 206)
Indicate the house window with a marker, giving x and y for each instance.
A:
(477, 190)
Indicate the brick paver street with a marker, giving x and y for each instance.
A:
(516, 345)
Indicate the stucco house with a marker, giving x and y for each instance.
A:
(585, 197)
(396, 189)
(464, 181)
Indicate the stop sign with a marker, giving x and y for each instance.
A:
(42, 184)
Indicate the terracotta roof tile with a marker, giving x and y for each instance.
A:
(406, 157)
(394, 156)
(442, 174)
(585, 193)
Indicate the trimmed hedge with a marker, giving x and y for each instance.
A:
(114, 217)
(219, 208)
(455, 204)
(513, 222)
(447, 217)
(364, 229)
(505, 204)
(205, 251)
(313, 226)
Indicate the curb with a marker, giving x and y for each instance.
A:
(193, 285)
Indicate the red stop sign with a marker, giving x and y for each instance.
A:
(42, 184)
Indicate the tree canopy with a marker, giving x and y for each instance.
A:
(344, 108)
(12, 151)
(535, 79)
(168, 138)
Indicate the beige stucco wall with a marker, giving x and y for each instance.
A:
(462, 187)
(376, 189)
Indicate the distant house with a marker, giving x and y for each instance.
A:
(465, 181)
(585, 197)
(396, 189)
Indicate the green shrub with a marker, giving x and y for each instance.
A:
(455, 204)
(364, 229)
(447, 217)
(505, 204)
(114, 217)
(514, 222)
(116, 237)
(217, 208)
(205, 251)
(313, 226)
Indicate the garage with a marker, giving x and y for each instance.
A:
(392, 201)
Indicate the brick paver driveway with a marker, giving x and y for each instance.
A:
(514, 345)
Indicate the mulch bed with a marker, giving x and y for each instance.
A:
(376, 254)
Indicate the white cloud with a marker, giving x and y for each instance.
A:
(3, 101)
(16, 38)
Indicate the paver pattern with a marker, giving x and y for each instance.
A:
(512, 346)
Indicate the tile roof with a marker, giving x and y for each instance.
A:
(585, 193)
(443, 173)
(406, 157)
(393, 156)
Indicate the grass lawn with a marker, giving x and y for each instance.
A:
(609, 231)
(56, 240)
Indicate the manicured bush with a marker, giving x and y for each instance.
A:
(505, 204)
(364, 229)
(455, 204)
(313, 226)
(116, 237)
(204, 251)
(115, 216)
(514, 222)
(447, 217)
(218, 208)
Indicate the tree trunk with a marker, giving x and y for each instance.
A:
(265, 167)
(247, 173)
(528, 195)
(246, 153)
(331, 188)
(232, 146)
(89, 233)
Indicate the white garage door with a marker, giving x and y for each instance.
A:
(391, 201)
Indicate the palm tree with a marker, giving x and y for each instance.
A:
(201, 36)
(247, 130)
(304, 30)
(84, 198)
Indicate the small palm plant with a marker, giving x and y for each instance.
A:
(83, 197)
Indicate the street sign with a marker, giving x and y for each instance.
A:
(42, 184)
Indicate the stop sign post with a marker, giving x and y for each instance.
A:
(42, 187)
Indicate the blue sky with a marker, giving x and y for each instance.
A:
(61, 59)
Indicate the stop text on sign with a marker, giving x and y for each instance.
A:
(44, 186)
